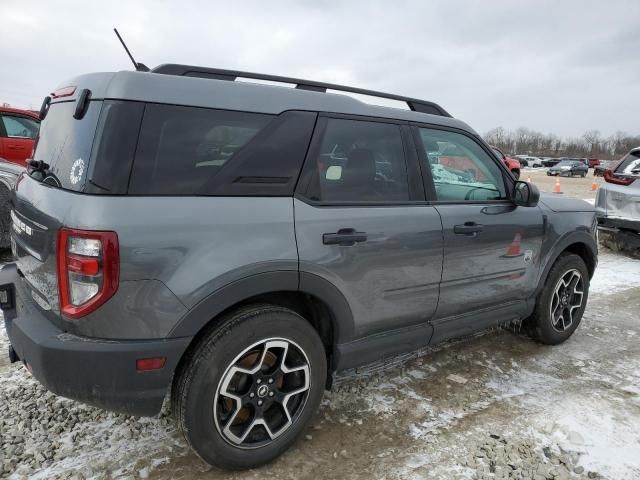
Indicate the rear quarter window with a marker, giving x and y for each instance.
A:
(182, 149)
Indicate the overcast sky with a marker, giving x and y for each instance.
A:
(560, 67)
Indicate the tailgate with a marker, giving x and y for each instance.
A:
(36, 217)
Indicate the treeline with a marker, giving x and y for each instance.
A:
(590, 145)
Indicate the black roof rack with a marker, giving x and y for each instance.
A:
(220, 74)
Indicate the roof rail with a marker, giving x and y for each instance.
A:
(414, 104)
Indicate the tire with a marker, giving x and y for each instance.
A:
(584, 174)
(552, 330)
(516, 174)
(247, 339)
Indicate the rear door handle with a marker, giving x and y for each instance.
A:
(15, 147)
(469, 228)
(345, 237)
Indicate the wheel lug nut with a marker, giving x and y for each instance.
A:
(251, 395)
(260, 402)
(271, 380)
(271, 394)
(258, 381)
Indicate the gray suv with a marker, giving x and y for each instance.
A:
(231, 245)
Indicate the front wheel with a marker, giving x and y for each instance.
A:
(250, 387)
(561, 304)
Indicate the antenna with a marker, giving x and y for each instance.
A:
(140, 67)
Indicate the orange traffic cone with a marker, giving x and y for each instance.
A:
(557, 188)
(528, 178)
(594, 185)
(513, 250)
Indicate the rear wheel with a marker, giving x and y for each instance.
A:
(560, 305)
(250, 387)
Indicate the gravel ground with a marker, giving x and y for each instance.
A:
(570, 186)
(494, 406)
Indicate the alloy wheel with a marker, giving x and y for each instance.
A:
(262, 393)
(567, 298)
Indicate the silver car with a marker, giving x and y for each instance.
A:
(618, 201)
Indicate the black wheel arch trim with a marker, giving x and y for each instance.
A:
(264, 283)
(561, 245)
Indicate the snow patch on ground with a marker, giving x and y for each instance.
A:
(609, 440)
(615, 273)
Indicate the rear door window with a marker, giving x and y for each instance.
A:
(182, 149)
(64, 143)
(360, 161)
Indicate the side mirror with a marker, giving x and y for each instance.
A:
(525, 194)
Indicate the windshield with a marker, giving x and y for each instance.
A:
(64, 143)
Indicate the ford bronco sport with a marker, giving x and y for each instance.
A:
(230, 245)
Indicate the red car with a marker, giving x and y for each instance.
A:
(18, 131)
(512, 164)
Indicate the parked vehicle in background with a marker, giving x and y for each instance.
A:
(534, 162)
(18, 130)
(569, 168)
(9, 173)
(550, 162)
(512, 164)
(302, 233)
(598, 170)
(593, 162)
(618, 203)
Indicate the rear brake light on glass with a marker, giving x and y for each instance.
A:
(64, 92)
(88, 270)
(610, 177)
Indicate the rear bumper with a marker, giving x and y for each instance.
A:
(616, 224)
(99, 372)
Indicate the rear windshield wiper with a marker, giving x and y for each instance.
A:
(40, 171)
(38, 165)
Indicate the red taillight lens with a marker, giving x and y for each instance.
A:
(83, 265)
(610, 177)
(88, 270)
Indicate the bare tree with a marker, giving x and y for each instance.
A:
(590, 145)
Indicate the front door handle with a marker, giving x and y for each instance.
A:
(15, 147)
(469, 229)
(345, 237)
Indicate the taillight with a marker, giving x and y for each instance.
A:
(88, 270)
(610, 177)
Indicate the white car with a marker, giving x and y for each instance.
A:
(534, 162)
